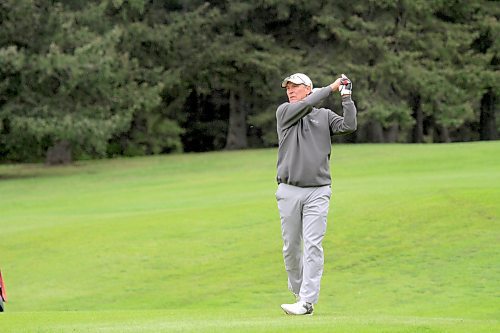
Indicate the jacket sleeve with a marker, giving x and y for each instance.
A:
(289, 114)
(346, 124)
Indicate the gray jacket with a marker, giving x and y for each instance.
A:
(304, 138)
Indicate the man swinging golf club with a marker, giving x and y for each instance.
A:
(304, 182)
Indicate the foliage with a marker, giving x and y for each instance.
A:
(123, 77)
(80, 90)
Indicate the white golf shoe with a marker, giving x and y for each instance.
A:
(299, 308)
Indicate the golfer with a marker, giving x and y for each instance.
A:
(304, 182)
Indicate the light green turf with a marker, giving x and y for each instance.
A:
(190, 243)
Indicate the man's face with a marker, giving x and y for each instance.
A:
(296, 92)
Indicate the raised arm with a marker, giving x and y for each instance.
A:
(347, 123)
(290, 113)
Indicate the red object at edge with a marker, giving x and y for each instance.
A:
(2, 288)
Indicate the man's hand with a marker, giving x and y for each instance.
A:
(336, 85)
(342, 84)
(345, 86)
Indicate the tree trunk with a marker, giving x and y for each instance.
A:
(374, 131)
(237, 129)
(59, 153)
(487, 119)
(391, 134)
(440, 133)
(417, 135)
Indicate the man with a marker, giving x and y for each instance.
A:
(304, 182)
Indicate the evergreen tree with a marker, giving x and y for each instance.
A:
(134, 77)
(73, 91)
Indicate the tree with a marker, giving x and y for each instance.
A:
(74, 95)
(485, 53)
(134, 77)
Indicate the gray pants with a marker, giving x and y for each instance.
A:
(303, 212)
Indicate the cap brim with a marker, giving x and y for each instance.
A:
(288, 79)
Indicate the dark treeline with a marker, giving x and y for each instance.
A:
(87, 79)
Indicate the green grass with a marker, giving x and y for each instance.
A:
(191, 243)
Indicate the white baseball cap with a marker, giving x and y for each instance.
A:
(297, 78)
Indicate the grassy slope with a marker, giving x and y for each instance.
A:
(188, 241)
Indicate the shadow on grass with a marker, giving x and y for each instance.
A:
(7, 177)
(9, 172)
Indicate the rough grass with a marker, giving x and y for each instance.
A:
(191, 242)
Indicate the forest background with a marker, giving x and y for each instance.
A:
(93, 79)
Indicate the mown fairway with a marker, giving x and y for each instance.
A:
(191, 243)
